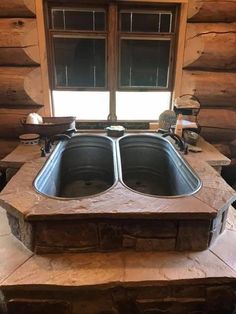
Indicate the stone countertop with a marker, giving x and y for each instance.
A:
(19, 267)
(20, 198)
(23, 153)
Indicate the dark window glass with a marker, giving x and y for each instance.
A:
(144, 63)
(57, 19)
(79, 62)
(145, 22)
(100, 21)
(78, 20)
(165, 25)
(125, 22)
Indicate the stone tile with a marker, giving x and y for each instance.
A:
(22, 230)
(38, 307)
(218, 199)
(231, 219)
(110, 235)
(210, 177)
(168, 266)
(70, 270)
(151, 228)
(155, 244)
(220, 300)
(125, 268)
(193, 235)
(171, 306)
(122, 203)
(13, 254)
(20, 203)
(128, 242)
(4, 225)
(225, 248)
(28, 172)
(67, 234)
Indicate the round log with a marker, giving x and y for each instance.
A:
(10, 125)
(17, 8)
(218, 134)
(7, 146)
(218, 118)
(20, 86)
(214, 89)
(212, 11)
(218, 124)
(210, 46)
(21, 36)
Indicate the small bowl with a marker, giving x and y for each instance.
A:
(29, 139)
(190, 137)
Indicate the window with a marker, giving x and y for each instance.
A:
(111, 60)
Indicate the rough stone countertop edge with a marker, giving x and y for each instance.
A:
(129, 284)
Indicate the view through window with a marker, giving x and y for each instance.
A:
(111, 60)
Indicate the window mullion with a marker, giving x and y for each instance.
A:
(112, 58)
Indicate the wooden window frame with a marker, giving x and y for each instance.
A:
(113, 46)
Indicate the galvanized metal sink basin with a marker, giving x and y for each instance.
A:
(150, 165)
(83, 166)
(88, 165)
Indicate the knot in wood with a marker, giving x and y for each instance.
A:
(19, 23)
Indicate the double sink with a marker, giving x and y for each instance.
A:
(87, 165)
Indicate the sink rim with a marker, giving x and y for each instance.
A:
(117, 166)
(120, 176)
(56, 151)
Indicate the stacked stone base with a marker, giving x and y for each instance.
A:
(186, 298)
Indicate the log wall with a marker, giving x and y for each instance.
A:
(20, 72)
(210, 65)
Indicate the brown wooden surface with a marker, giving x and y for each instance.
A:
(20, 86)
(214, 89)
(7, 146)
(214, 134)
(47, 109)
(10, 126)
(18, 41)
(212, 10)
(211, 46)
(221, 118)
(218, 124)
(180, 50)
(112, 59)
(17, 8)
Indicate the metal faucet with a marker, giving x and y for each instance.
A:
(49, 141)
(183, 147)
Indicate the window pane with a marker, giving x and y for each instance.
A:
(79, 20)
(125, 22)
(79, 62)
(144, 63)
(83, 20)
(141, 105)
(57, 19)
(100, 24)
(83, 105)
(146, 22)
(165, 25)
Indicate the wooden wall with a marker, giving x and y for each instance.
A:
(210, 65)
(20, 73)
